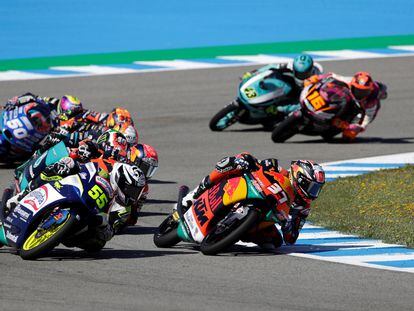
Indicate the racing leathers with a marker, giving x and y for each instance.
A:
(369, 106)
(265, 234)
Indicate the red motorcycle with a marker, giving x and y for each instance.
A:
(224, 214)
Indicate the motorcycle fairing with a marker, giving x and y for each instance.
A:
(222, 196)
(262, 90)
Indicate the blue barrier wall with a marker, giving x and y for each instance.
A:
(56, 27)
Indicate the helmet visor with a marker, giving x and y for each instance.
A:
(147, 168)
(310, 188)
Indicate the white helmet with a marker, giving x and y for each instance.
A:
(131, 135)
(128, 182)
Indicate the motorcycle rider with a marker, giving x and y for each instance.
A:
(127, 182)
(306, 181)
(294, 74)
(369, 94)
(146, 158)
(366, 93)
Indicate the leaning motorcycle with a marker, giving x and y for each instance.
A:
(258, 96)
(224, 214)
(320, 103)
(60, 211)
(20, 130)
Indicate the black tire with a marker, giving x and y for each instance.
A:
(285, 129)
(214, 123)
(30, 253)
(210, 245)
(7, 194)
(167, 233)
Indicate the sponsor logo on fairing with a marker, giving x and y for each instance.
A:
(11, 236)
(36, 198)
(23, 214)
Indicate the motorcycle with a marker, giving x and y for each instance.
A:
(20, 130)
(320, 103)
(224, 214)
(258, 95)
(60, 211)
(37, 164)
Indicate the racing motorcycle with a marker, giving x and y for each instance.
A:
(57, 212)
(222, 215)
(258, 95)
(20, 130)
(320, 103)
(37, 164)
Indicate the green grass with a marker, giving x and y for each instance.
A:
(204, 52)
(377, 205)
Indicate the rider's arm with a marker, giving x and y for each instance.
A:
(291, 228)
(228, 166)
(21, 100)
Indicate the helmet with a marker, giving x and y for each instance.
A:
(130, 133)
(307, 179)
(113, 144)
(69, 106)
(302, 66)
(119, 116)
(362, 85)
(146, 158)
(128, 182)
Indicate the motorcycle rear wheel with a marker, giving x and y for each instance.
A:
(224, 118)
(167, 235)
(285, 129)
(216, 242)
(38, 244)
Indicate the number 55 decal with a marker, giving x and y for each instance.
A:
(97, 194)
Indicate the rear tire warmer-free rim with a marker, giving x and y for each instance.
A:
(34, 247)
(209, 246)
(227, 116)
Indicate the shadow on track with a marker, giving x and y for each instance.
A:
(245, 250)
(60, 254)
(139, 230)
(358, 140)
(161, 182)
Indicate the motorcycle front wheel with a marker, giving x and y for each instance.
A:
(286, 129)
(167, 233)
(224, 118)
(220, 238)
(41, 241)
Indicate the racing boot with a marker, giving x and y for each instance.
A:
(193, 195)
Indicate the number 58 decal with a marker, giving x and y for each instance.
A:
(97, 194)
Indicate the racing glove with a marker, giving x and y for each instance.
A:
(87, 150)
(63, 167)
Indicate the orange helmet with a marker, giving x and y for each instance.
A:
(119, 116)
(362, 85)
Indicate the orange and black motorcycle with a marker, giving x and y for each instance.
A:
(224, 214)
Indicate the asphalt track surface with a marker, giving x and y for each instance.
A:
(172, 110)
